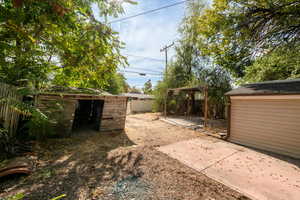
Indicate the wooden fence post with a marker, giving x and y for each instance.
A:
(206, 106)
(8, 115)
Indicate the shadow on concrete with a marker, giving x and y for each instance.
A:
(284, 158)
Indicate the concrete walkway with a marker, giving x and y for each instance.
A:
(256, 175)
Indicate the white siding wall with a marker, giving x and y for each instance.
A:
(139, 106)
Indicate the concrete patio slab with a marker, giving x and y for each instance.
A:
(192, 122)
(254, 174)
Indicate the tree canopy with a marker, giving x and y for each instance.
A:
(147, 89)
(239, 34)
(192, 66)
(117, 84)
(58, 41)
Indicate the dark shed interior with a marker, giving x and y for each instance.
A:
(88, 114)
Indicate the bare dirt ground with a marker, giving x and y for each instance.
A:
(111, 166)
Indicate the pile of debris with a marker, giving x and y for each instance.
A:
(132, 187)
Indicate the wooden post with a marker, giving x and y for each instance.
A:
(192, 96)
(228, 118)
(206, 106)
(189, 106)
(165, 104)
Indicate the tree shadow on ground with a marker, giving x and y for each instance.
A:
(80, 167)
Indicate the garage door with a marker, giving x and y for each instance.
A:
(268, 123)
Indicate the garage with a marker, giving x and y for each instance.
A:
(266, 116)
(139, 103)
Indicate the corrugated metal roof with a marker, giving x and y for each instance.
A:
(268, 88)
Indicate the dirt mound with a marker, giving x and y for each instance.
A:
(132, 187)
(127, 161)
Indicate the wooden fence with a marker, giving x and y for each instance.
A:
(9, 117)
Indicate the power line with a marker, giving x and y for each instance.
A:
(141, 73)
(144, 69)
(147, 12)
(133, 75)
(149, 58)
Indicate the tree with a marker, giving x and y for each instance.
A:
(147, 89)
(269, 23)
(188, 56)
(176, 76)
(218, 81)
(280, 64)
(193, 65)
(135, 90)
(117, 84)
(58, 41)
(237, 34)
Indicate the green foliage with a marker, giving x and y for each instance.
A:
(160, 92)
(59, 197)
(267, 23)
(117, 84)
(59, 40)
(218, 81)
(280, 64)
(134, 90)
(39, 125)
(21, 196)
(241, 36)
(147, 89)
(218, 39)
(192, 66)
(18, 196)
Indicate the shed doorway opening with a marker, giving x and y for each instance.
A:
(88, 114)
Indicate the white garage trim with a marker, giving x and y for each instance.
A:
(266, 97)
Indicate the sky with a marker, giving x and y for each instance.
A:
(145, 35)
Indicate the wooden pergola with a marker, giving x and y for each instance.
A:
(191, 92)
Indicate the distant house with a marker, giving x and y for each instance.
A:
(139, 103)
(266, 116)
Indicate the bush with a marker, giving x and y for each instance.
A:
(39, 126)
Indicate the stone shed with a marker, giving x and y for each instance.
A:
(83, 109)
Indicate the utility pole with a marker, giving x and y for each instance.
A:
(165, 49)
